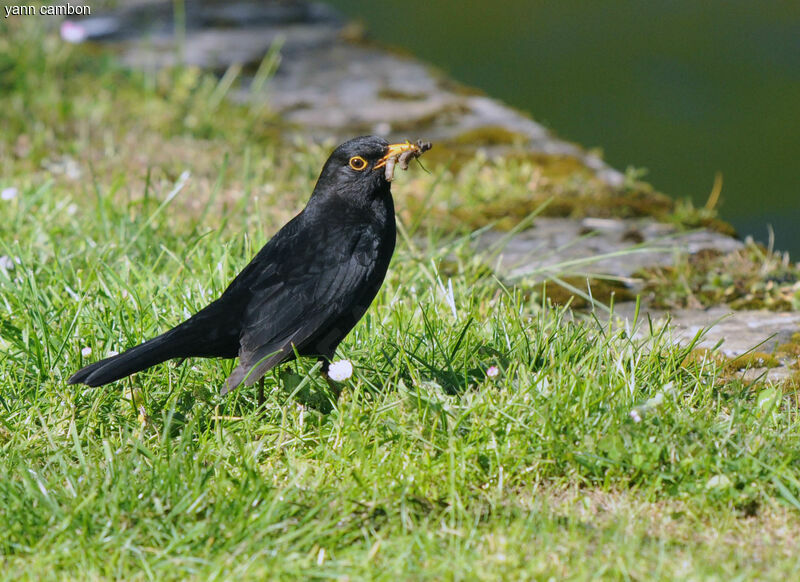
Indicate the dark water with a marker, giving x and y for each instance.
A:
(684, 88)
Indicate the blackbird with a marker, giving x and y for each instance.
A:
(305, 289)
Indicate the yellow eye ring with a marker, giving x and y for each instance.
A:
(358, 163)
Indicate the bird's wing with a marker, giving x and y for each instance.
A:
(290, 309)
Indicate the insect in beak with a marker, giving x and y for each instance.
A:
(401, 153)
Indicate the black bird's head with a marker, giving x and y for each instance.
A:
(363, 166)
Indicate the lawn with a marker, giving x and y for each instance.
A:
(485, 433)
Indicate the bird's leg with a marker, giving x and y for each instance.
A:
(260, 399)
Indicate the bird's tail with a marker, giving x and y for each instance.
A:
(152, 352)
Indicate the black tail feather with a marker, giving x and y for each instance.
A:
(152, 352)
(213, 332)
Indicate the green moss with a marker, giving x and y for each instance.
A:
(686, 215)
(751, 278)
(604, 291)
(505, 213)
(524, 181)
(752, 360)
(396, 95)
(504, 190)
(450, 84)
(700, 356)
(490, 135)
(729, 368)
(474, 271)
(791, 349)
(791, 387)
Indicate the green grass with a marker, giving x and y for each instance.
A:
(425, 468)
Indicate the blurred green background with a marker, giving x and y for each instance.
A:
(684, 88)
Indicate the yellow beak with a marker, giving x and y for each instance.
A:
(395, 150)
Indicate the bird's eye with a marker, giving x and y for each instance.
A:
(358, 163)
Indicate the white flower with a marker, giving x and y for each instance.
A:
(86, 352)
(6, 263)
(72, 32)
(8, 193)
(493, 371)
(635, 416)
(340, 370)
(112, 353)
